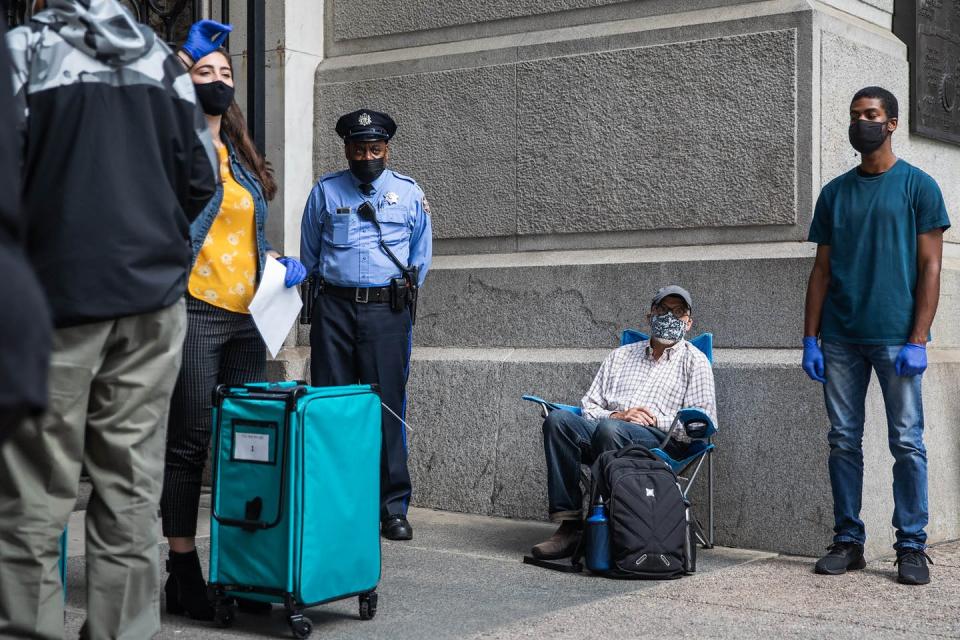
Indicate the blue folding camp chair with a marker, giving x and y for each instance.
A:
(62, 564)
(697, 425)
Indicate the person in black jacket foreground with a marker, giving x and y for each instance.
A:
(25, 322)
(117, 161)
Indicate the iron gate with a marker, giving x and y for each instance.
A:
(171, 19)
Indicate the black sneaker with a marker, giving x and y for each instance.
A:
(912, 566)
(841, 557)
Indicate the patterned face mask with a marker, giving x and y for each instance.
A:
(667, 328)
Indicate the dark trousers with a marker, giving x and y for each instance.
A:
(353, 343)
(570, 440)
(222, 347)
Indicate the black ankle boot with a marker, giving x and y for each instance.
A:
(186, 589)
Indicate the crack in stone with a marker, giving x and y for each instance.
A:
(554, 296)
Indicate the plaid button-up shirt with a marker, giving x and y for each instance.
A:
(631, 377)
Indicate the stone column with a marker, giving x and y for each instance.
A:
(294, 48)
(578, 154)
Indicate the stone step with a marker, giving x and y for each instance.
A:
(748, 297)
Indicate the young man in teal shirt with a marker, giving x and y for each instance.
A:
(871, 299)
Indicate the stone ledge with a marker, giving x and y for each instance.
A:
(577, 24)
(565, 300)
(657, 254)
(741, 357)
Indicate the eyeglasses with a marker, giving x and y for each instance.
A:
(678, 311)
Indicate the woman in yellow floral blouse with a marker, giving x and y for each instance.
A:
(222, 345)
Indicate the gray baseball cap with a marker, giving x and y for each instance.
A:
(672, 290)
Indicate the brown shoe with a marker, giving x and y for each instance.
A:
(562, 543)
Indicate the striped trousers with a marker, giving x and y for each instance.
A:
(221, 347)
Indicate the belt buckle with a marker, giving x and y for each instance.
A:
(366, 295)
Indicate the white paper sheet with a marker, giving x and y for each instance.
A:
(274, 307)
(254, 447)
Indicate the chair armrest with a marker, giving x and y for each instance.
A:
(547, 406)
(696, 423)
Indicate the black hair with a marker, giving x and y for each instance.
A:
(888, 100)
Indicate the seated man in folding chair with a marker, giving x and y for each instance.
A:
(633, 400)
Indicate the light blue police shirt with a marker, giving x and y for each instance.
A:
(344, 250)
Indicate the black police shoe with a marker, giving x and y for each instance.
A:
(396, 528)
(912, 566)
(841, 557)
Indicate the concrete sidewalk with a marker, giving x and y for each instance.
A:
(461, 577)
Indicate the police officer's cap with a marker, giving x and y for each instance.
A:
(365, 125)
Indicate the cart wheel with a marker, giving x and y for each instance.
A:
(368, 605)
(222, 605)
(223, 615)
(300, 626)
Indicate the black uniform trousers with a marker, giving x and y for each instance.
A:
(357, 343)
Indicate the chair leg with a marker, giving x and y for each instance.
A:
(699, 533)
(693, 476)
(710, 521)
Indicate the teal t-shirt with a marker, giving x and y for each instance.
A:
(871, 224)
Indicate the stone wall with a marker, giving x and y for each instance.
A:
(580, 153)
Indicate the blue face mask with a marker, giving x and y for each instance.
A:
(667, 328)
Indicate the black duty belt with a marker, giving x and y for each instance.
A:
(363, 295)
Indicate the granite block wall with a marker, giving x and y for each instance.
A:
(588, 142)
(477, 447)
(577, 155)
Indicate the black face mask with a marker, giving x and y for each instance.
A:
(366, 171)
(867, 136)
(215, 97)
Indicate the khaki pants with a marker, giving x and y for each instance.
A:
(110, 387)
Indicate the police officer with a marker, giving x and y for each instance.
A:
(366, 239)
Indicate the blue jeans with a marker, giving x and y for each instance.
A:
(570, 440)
(848, 375)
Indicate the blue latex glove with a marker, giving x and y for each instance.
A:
(813, 359)
(296, 272)
(205, 37)
(912, 360)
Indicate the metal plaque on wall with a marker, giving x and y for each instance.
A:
(931, 30)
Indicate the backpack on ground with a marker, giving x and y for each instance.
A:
(639, 526)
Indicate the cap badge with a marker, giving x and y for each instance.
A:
(364, 120)
(391, 198)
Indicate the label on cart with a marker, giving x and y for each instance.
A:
(253, 447)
